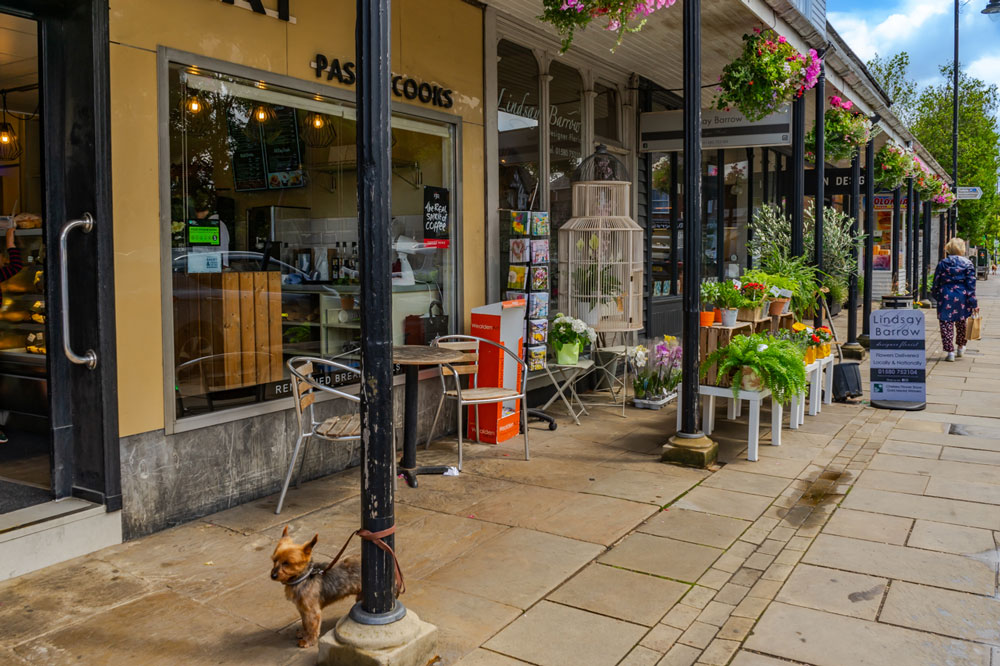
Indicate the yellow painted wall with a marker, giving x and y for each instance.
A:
(438, 41)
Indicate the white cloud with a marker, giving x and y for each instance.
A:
(986, 68)
(888, 35)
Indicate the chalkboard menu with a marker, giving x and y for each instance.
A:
(268, 156)
(436, 212)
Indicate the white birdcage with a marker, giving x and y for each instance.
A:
(600, 250)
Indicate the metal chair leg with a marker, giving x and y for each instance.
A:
(288, 476)
(430, 435)
(524, 419)
(460, 406)
(302, 463)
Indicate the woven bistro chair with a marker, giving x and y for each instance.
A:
(343, 428)
(473, 394)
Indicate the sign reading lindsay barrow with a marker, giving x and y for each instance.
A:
(898, 360)
(257, 7)
(664, 130)
(402, 86)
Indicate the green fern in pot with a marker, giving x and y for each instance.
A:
(764, 360)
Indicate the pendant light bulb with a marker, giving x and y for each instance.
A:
(10, 147)
(318, 131)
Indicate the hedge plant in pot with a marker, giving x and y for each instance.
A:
(752, 362)
(708, 293)
(729, 300)
(568, 336)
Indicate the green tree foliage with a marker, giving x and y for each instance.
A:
(891, 74)
(978, 144)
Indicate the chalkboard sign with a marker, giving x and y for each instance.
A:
(898, 359)
(265, 157)
(436, 212)
(249, 172)
(281, 151)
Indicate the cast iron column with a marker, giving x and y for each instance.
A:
(378, 604)
(720, 222)
(820, 182)
(764, 175)
(798, 169)
(750, 177)
(926, 259)
(692, 214)
(674, 272)
(954, 130)
(852, 278)
(894, 245)
(908, 237)
(913, 265)
(942, 233)
(866, 301)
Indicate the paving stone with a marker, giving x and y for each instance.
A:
(630, 596)
(698, 596)
(744, 658)
(719, 652)
(751, 607)
(680, 616)
(777, 572)
(788, 557)
(736, 628)
(745, 482)
(827, 639)
(732, 594)
(913, 449)
(716, 613)
(944, 439)
(943, 612)
(699, 635)
(714, 578)
(487, 658)
(648, 487)
(963, 490)
(971, 455)
(841, 592)
(517, 568)
(695, 526)
(893, 481)
(680, 655)
(869, 526)
(899, 562)
(951, 538)
(550, 634)
(662, 557)
(745, 577)
(661, 638)
(784, 467)
(771, 547)
(594, 518)
(956, 512)
(641, 656)
(724, 503)
(765, 589)
(946, 468)
(760, 561)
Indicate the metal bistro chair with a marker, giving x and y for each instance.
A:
(344, 428)
(474, 395)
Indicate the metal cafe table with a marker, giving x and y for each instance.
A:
(412, 357)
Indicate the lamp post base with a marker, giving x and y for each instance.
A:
(863, 341)
(853, 351)
(408, 641)
(694, 450)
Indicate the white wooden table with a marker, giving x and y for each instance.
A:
(798, 407)
(710, 393)
(820, 380)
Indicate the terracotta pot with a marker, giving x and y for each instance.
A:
(751, 380)
(718, 315)
(706, 318)
(777, 306)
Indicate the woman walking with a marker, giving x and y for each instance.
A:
(955, 292)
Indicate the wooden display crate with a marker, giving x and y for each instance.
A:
(227, 330)
(781, 321)
(713, 337)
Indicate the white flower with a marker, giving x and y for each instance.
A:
(579, 326)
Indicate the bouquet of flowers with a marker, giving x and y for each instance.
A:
(567, 16)
(753, 294)
(844, 132)
(568, 331)
(768, 74)
(893, 165)
(657, 373)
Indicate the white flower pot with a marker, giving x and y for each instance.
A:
(729, 316)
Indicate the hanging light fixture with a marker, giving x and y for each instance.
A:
(263, 117)
(195, 104)
(318, 130)
(10, 146)
(993, 10)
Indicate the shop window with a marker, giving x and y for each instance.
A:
(264, 235)
(565, 147)
(606, 114)
(734, 200)
(518, 126)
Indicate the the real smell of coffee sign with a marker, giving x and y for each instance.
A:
(436, 212)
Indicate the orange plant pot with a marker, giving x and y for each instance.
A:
(810, 355)
(717, 315)
(706, 318)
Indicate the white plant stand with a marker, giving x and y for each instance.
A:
(710, 393)
(820, 381)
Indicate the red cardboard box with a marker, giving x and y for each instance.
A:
(502, 323)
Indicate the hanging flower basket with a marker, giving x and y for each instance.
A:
(568, 16)
(944, 201)
(844, 132)
(767, 75)
(893, 165)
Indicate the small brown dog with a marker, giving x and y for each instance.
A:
(312, 587)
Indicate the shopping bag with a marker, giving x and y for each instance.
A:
(422, 329)
(974, 327)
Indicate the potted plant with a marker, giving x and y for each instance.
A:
(568, 336)
(729, 300)
(752, 362)
(754, 294)
(893, 164)
(844, 132)
(657, 374)
(622, 16)
(708, 292)
(768, 74)
(899, 298)
(825, 336)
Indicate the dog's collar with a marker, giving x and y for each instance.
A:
(312, 571)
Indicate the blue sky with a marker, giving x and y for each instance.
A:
(924, 29)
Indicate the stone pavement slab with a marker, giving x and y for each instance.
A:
(631, 596)
(724, 503)
(662, 557)
(695, 527)
(941, 510)
(827, 639)
(744, 482)
(951, 538)
(944, 612)
(554, 635)
(869, 526)
(483, 657)
(841, 592)
(892, 481)
(640, 486)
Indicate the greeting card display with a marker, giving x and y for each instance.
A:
(539, 251)
(539, 224)
(536, 358)
(539, 278)
(519, 222)
(538, 305)
(520, 250)
(517, 277)
(538, 330)
(517, 296)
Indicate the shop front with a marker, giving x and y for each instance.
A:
(236, 242)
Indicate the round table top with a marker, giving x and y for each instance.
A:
(424, 355)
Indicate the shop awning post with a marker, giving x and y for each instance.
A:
(798, 169)
(896, 237)
(942, 235)
(866, 301)
(852, 347)
(926, 258)
(690, 446)
(720, 215)
(913, 245)
(750, 193)
(820, 182)
(908, 238)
